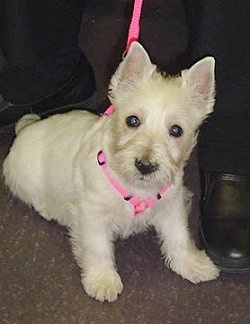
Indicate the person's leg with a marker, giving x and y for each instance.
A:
(221, 29)
(225, 138)
(46, 70)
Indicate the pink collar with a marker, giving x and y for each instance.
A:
(140, 205)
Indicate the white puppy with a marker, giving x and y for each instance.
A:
(115, 175)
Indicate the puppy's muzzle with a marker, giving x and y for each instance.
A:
(145, 166)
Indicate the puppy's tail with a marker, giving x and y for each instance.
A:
(25, 121)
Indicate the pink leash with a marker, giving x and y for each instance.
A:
(134, 28)
(140, 205)
(133, 35)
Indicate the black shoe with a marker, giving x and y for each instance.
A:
(225, 220)
(79, 92)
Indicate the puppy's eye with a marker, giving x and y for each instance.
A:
(176, 131)
(132, 121)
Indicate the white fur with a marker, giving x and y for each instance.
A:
(52, 166)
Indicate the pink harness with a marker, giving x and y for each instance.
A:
(140, 205)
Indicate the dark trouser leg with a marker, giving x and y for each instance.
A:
(39, 41)
(221, 29)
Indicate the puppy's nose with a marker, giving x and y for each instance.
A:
(145, 166)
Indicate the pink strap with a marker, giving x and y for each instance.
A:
(102, 162)
(140, 205)
(134, 28)
(109, 110)
(133, 35)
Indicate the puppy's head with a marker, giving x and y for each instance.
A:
(154, 126)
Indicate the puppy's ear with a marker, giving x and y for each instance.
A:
(201, 79)
(134, 69)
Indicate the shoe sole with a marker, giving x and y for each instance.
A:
(229, 265)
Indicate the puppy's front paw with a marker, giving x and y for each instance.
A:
(196, 266)
(103, 285)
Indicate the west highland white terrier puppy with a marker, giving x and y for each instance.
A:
(115, 175)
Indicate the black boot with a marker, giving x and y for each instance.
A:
(225, 220)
